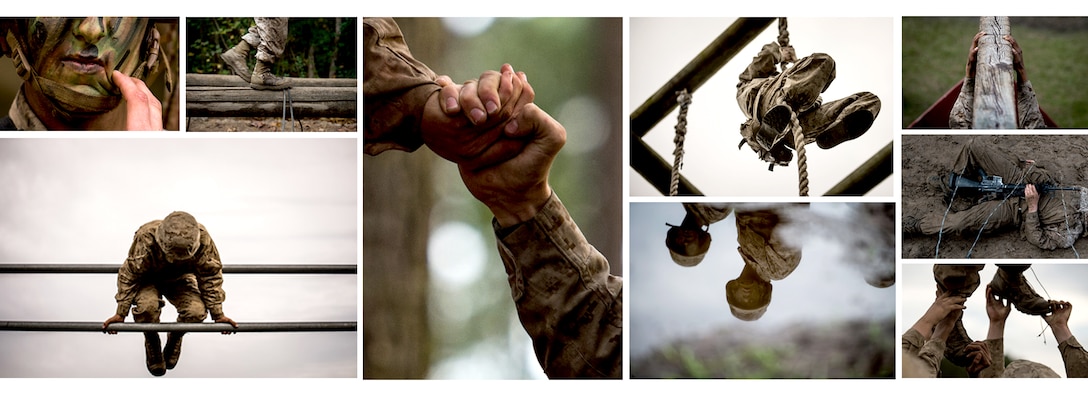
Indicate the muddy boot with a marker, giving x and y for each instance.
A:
(954, 346)
(172, 351)
(236, 57)
(263, 79)
(155, 364)
(852, 117)
(1009, 282)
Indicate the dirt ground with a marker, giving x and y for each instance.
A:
(256, 124)
(924, 157)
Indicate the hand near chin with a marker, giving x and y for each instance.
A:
(143, 110)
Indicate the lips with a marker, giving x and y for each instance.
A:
(84, 65)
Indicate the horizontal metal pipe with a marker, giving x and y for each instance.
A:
(251, 327)
(227, 269)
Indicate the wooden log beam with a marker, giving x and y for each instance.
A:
(230, 80)
(246, 102)
(995, 78)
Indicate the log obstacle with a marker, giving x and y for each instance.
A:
(995, 78)
(216, 95)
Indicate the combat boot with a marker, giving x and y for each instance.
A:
(263, 79)
(1009, 282)
(172, 351)
(236, 58)
(955, 346)
(850, 121)
(155, 365)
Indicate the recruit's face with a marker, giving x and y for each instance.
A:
(81, 53)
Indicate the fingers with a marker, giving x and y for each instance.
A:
(143, 109)
(448, 95)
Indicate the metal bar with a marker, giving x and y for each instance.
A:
(227, 269)
(656, 170)
(868, 175)
(250, 327)
(697, 72)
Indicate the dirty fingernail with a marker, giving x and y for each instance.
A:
(491, 107)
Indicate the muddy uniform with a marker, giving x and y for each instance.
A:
(1056, 225)
(567, 301)
(194, 286)
(762, 89)
(707, 214)
(1027, 107)
(268, 36)
(762, 248)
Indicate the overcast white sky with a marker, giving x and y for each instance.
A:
(864, 56)
(263, 200)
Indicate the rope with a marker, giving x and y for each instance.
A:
(684, 98)
(802, 157)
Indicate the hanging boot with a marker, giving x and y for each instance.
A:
(833, 123)
(155, 365)
(236, 58)
(172, 351)
(263, 79)
(1009, 282)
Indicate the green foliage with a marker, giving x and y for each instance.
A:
(209, 37)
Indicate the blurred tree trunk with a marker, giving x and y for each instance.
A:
(311, 65)
(335, 49)
(398, 194)
(397, 200)
(608, 235)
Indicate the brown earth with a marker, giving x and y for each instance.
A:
(258, 124)
(925, 157)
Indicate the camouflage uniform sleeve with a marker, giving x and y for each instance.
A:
(209, 276)
(997, 359)
(929, 352)
(1027, 107)
(128, 277)
(395, 89)
(569, 304)
(962, 110)
(1075, 357)
(763, 64)
(1043, 236)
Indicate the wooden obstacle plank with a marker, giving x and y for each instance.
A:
(995, 78)
(229, 96)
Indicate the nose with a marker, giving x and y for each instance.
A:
(90, 30)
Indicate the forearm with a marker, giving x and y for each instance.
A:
(1061, 332)
(1041, 237)
(567, 301)
(962, 111)
(996, 330)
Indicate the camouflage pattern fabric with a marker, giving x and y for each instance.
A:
(395, 89)
(772, 257)
(1027, 107)
(566, 299)
(194, 285)
(268, 36)
(1054, 226)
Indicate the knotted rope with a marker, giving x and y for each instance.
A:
(684, 99)
(795, 125)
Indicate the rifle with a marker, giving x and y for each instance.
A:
(995, 185)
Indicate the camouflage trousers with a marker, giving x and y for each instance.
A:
(995, 215)
(182, 293)
(799, 88)
(268, 36)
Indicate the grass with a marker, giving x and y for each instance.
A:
(935, 53)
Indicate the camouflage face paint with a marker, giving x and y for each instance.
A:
(81, 54)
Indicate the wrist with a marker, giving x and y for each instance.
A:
(509, 212)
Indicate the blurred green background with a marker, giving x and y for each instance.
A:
(935, 55)
(436, 299)
(315, 47)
